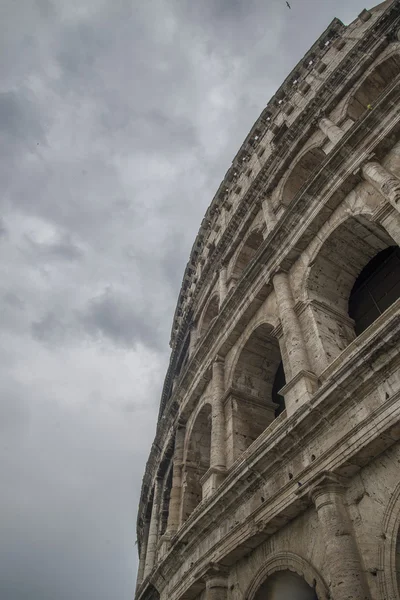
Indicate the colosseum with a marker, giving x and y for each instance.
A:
(275, 470)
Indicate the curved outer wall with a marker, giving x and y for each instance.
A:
(274, 470)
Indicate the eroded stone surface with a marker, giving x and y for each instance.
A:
(275, 468)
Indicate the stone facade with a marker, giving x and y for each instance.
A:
(275, 471)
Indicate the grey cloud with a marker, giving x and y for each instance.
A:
(62, 248)
(49, 328)
(113, 316)
(19, 117)
(119, 121)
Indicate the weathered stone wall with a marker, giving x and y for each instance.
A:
(277, 452)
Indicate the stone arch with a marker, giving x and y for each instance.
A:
(389, 551)
(245, 254)
(283, 563)
(196, 460)
(253, 399)
(374, 82)
(209, 314)
(300, 173)
(331, 277)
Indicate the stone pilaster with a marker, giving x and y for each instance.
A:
(302, 385)
(217, 456)
(176, 490)
(216, 588)
(153, 529)
(216, 472)
(332, 131)
(215, 577)
(193, 339)
(222, 286)
(343, 561)
(269, 216)
(143, 552)
(385, 182)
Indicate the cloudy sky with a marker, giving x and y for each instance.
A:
(118, 120)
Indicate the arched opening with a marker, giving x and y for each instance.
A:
(301, 173)
(373, 86)
(197, 461)
(353, 279)
(210, 313)
(376, 288)
(284, 585)
(254, 399)
(246, 254)
(279, 383)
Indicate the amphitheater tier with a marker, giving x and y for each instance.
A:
(274, 469)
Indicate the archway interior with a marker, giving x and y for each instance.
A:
(301, 173)
(373, 86)
(197, 461)
(333, 276)
(279, 383)
(257, 379)
(285, 585)
(246, 254)
(376, 288)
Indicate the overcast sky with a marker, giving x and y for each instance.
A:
(118, 120)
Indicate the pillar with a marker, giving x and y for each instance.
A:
(216, 588)
(217, 455)
(143, 551)
(176, 490)
(193, 339)
(269, 216)
(222, 286)
(303, 383)
(343, 561)
(153, 529)
(216, 473)
(387, 184)
(332, 131)
(290, 324)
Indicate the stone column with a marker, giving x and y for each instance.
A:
(343, 561)
(269, 216)
(176, 490)
(217, 454)
(216, 473)
(222, 286)
(332, 131)
(216, 588)
(303, 383)
(387, 184)
(153, 529)
(193, 339)
(143, 551)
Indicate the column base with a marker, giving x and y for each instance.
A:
(211, 480)
(299, 390)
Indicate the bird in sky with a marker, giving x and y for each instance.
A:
(288, 5)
